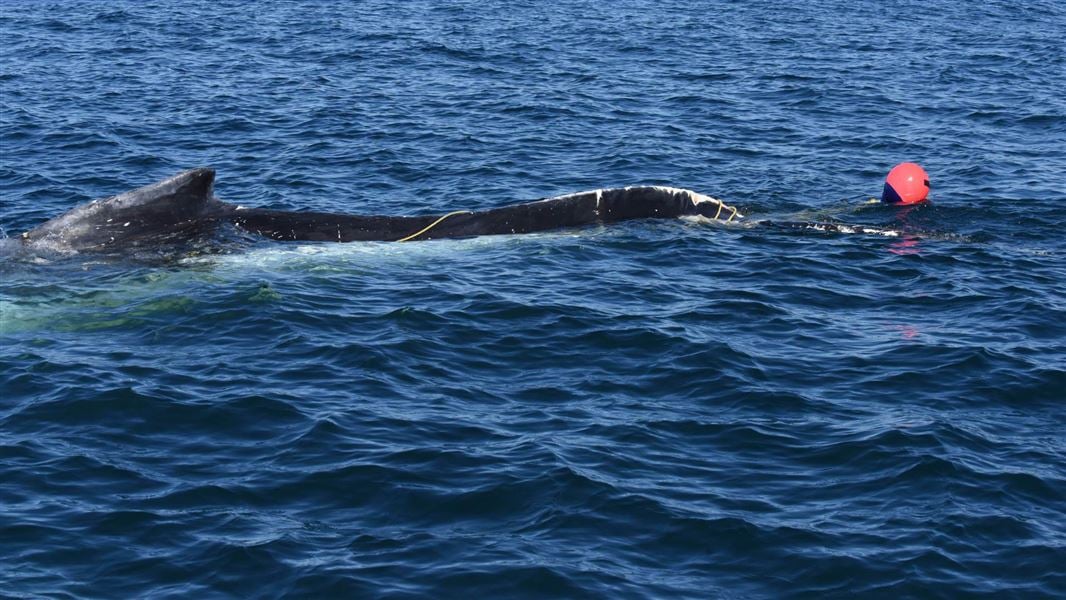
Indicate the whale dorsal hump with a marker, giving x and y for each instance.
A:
(157, 209)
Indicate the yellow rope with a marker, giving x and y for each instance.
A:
(723, 205)
(432, 225)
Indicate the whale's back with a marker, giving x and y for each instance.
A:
(166, 208)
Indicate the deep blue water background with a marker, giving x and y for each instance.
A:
(654, 409)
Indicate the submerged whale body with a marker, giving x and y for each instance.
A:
(184, 206)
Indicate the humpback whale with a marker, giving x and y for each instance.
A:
(184, 206)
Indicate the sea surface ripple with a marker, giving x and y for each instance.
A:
(657, 409)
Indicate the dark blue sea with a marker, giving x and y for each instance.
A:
(652, 409)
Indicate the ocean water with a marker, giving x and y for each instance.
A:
(656, 409)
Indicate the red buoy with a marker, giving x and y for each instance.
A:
(907, 183)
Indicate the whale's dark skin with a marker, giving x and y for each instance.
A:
(184, 205)
(180, 206)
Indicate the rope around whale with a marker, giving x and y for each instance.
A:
(722, 204)
(433, 224)
(717, 214)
